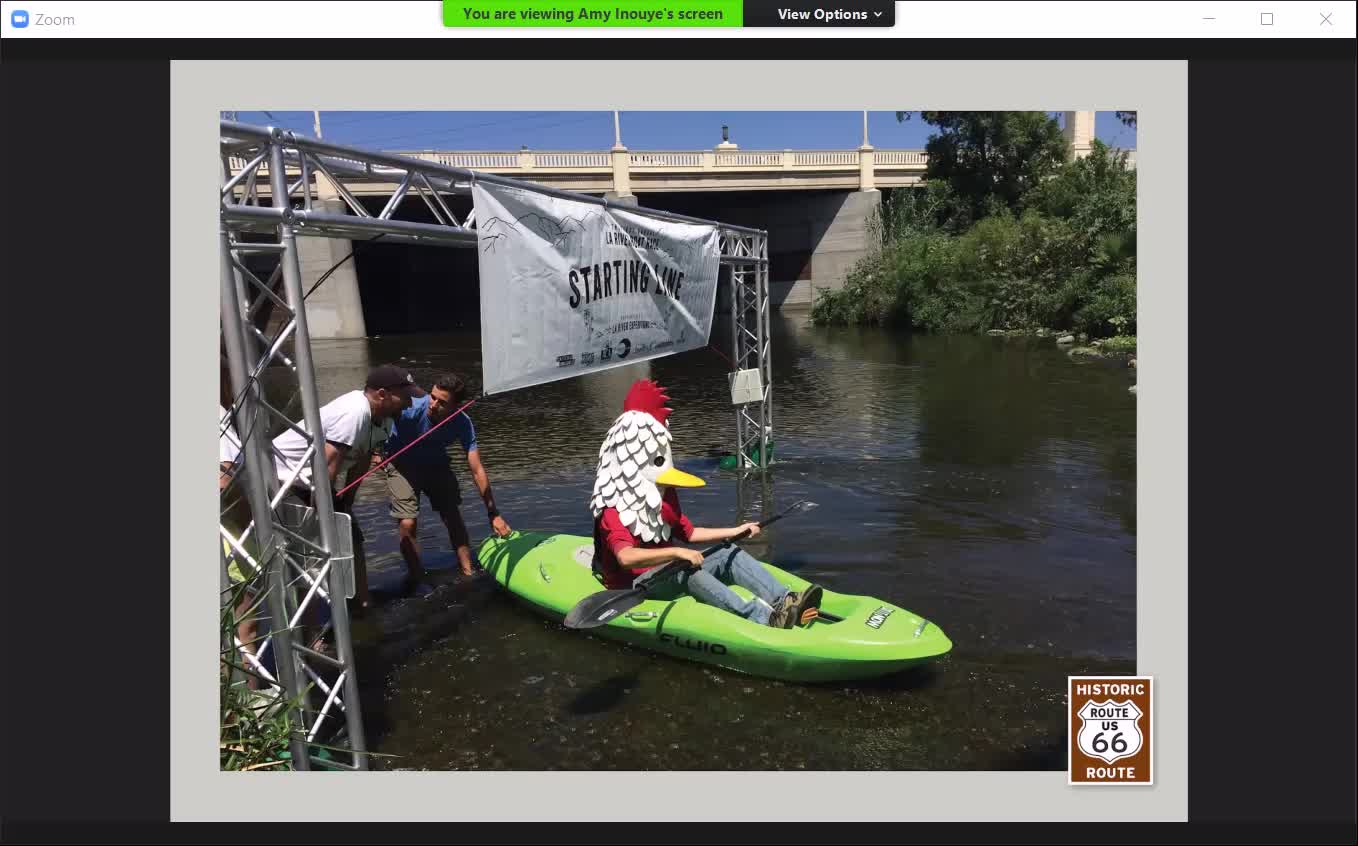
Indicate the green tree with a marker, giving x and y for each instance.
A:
(1097, 192)
(990, 160)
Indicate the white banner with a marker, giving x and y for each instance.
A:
(569, 288)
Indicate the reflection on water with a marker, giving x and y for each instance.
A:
(988, 484)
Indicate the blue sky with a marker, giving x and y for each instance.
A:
(506, 130)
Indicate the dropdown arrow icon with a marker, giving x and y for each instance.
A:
(877, 14)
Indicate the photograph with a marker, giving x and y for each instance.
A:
(674, 440)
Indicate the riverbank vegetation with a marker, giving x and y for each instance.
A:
(1007, 237)
(254, 723)
(257, 720)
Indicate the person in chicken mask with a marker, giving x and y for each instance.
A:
(637, 517)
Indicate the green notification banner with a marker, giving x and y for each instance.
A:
(593, 13)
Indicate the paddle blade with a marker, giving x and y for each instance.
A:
(597, 609)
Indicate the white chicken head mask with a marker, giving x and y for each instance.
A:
(635, 461)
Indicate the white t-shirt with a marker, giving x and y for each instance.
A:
(229, 443)
(346, 420)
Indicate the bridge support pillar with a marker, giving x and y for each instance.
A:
(845, 239)
(334, 310)
(815, 238)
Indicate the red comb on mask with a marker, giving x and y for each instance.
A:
(646, 396)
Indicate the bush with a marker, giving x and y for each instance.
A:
(911, 212)
(254, 724)
(1121, 344)
(1004, 273)
(1096, 193)
(1111, 308)
(1068, 260)
(909, 282)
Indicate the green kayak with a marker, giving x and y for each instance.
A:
(861, 637)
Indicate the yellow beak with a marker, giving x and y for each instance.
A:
(679, 479)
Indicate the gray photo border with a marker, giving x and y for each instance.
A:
(1158, 90)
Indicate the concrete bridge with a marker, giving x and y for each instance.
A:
(815, 204)
(625, 173)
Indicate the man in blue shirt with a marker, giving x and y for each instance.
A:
(428, 468)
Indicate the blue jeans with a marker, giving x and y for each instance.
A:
(728, 566)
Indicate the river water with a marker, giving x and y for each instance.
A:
(987, 484)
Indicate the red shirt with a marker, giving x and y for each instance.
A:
(611, 537)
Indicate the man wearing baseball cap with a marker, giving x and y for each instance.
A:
(355, 425)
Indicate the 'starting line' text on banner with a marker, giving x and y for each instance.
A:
(570, 287)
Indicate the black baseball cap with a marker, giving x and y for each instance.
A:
(391, 377)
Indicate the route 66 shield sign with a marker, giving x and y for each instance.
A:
(1109, 730)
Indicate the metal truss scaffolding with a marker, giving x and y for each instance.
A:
(747, 254)
(304, 553)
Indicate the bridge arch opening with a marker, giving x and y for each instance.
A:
(409, 288)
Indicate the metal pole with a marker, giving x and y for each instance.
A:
(322, 496)
(306, 182)
(742, 498)
(735, 355)
(344, 192)
(760, 301)
(318, 123)
(752, 503)
(396, 197)
(245, 172)
(258, 469)
(349, 226)
(251, 347)
(765, 351)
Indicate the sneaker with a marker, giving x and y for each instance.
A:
(787, 614)
(805, 601)
(782, 615)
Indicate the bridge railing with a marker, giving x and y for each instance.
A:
(471, 161)
(914, 158)
(656, 161)
(497, 160)
(613, 166)
(848, 159)
(677, 160)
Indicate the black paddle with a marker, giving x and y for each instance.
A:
(598, 608)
